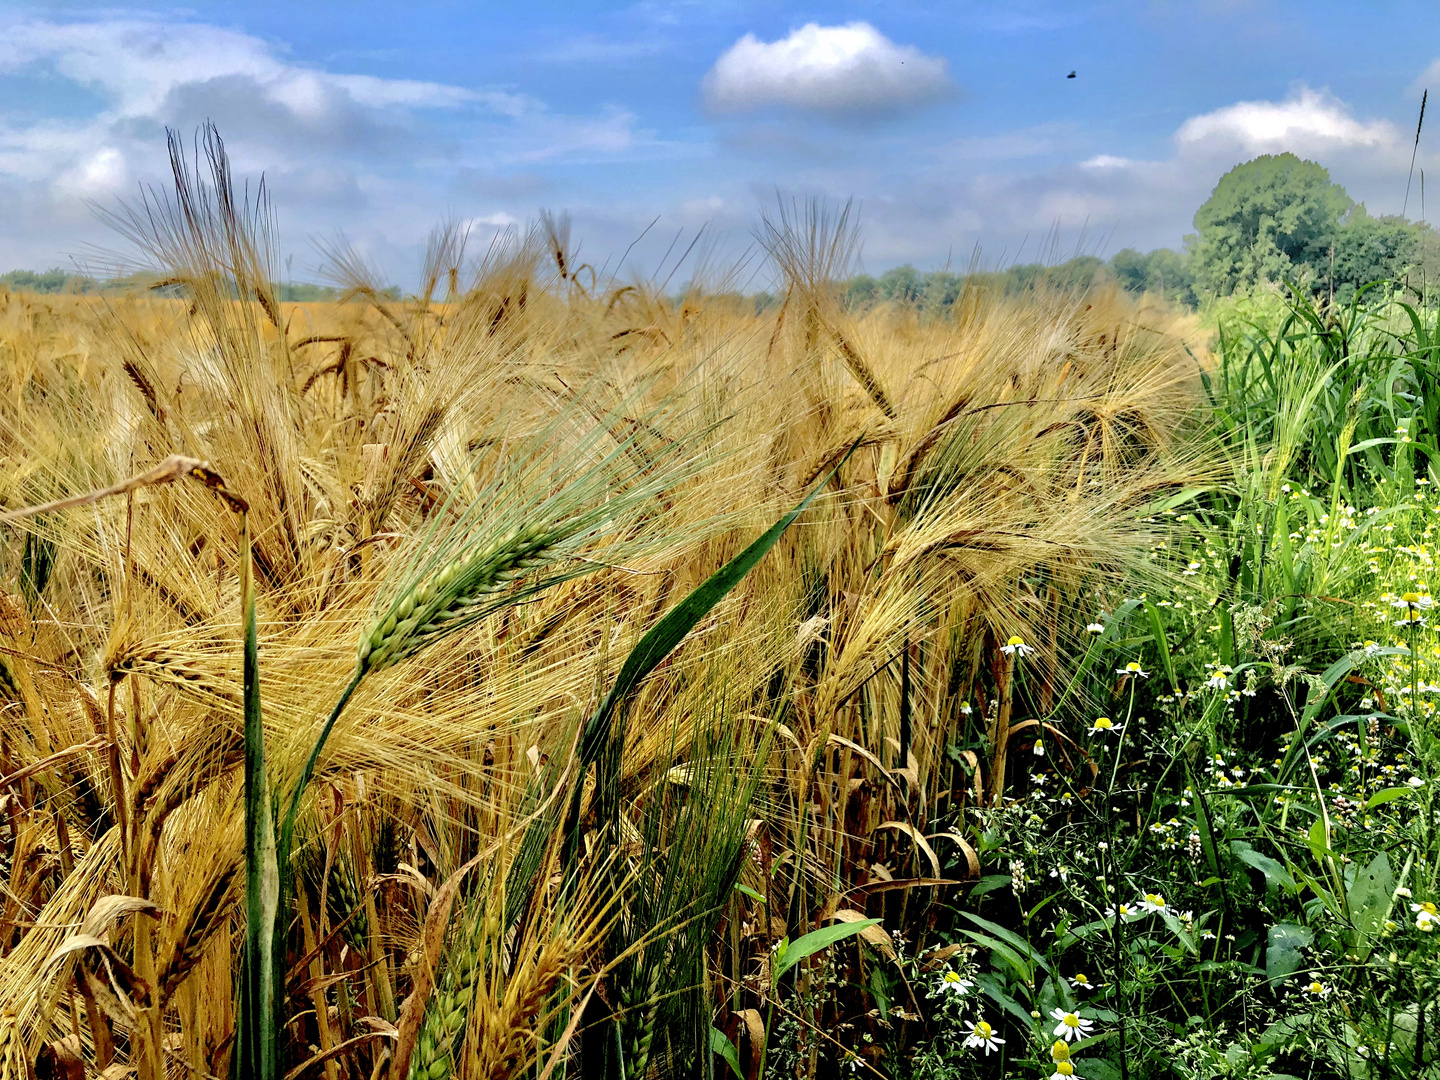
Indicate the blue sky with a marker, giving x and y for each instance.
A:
(953, 125)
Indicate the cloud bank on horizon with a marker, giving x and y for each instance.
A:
(941, 159)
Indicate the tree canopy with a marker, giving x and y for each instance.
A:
(1266, 220)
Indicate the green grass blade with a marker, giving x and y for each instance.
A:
(660, 641)
(813, 942)
(258, 1036)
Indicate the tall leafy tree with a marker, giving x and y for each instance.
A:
(1274, 217)
(1371, 249)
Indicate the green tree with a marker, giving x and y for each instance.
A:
(1369, 249)
(901, 283)
(1268, 219)
(49, 281)
(1164, 271)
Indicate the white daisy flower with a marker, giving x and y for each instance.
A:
(1427, 918)
(1016, 647)
(982, 1034)
(1072, 1026)
(1132, 668)
(1414, 601)
(1152, 904)
(1103, 725)
(1095, 628)
(952, 983)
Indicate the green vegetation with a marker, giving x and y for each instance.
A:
(57, 281)
(1271, 222)
(566, 682)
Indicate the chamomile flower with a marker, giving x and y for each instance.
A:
(1427, 918)
(982, 1034)
(1317, 989)
(952, 983)
(1414, 601)
(1219, 677)
(1133, 669)
(1064, 1070)
(1103, 725)
(1016, 647)
(1081, 981)
(1152, 903)
(1072, 1026)
(1125, 911)
(1095, 628)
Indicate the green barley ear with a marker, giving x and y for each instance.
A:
(453, 597)
(448, 1010)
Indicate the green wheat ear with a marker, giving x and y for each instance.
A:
(451, 597)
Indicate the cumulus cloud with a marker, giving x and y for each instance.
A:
(1306, 121)
(337, 146)
(830, 69)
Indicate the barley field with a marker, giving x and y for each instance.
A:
(542, 675)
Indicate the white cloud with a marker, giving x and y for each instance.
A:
(1306, 121)
(851, 68)
(1106, 161)
(341, 150)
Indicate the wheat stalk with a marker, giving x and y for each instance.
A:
(510, 1035)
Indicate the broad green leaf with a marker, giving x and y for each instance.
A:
(1017, 962)
(1275, 872)
(719, 1044)
(1389, 794)
(1316, 840)
(990, 884)
(1370, 897)
(1014, 939)
(1283, 955)
(996, 992)
(791, 954)
(1184, 936)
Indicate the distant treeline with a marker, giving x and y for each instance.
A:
(1272, 220)
(63, 281)
(1164, 272)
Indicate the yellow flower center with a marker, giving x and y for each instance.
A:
(1064, 1068)
(1071, 1020)
(952, 977)
(1104, 723)
(1430, 907)
(1132, 666)
(1016, 640)
(1060, 1051)
(1411, 598)
(1080, 978)
(983, 1029)
(1316, 988)
(1155, 898)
